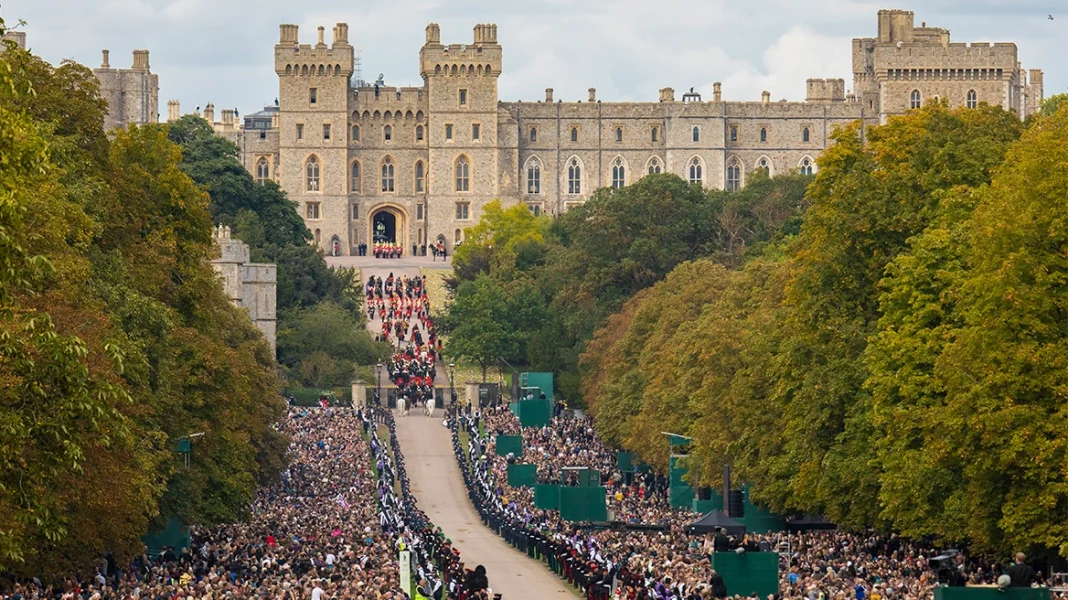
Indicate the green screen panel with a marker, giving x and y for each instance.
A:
(520, 475)
(509, 444)
(746, 573)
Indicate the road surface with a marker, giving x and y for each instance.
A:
(439, 488)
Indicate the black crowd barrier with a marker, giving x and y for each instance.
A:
(593, 580)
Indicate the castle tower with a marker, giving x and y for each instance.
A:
(132, 94)
(313, 93)
(461, 84)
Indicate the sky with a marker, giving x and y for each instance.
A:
(221, 51)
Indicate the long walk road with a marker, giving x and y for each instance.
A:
(439, 486)
(437, 483)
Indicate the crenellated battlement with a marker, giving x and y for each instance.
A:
(292, 58)
(480, 58)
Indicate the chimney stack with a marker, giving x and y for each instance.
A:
(548, 94)
(433, 34)
(341, 34)
(209, 113)
(593, 94)
(104, 64)
(717, 92)
(287, 34)
(321, 44)
(228, 119)
(765, 97)
(667, 94)
(174, 111)
(140, 59)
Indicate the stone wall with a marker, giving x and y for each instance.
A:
(252, 286)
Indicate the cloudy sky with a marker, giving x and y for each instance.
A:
(221, 50)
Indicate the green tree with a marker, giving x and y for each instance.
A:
(325, 343)
(477, 323)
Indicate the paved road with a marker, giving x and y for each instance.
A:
(439, 487)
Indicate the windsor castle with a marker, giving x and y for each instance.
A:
(416, 165)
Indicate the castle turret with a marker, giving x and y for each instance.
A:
(313, 129)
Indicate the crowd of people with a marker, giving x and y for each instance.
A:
(654, 557)
(331, 529)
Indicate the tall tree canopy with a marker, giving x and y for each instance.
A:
(115, 338)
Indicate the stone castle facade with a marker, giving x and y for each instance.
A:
(253, 286)
(132, 94)
(416, 165)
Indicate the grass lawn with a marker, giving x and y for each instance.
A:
(435, 287)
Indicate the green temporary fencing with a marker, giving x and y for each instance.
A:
(748, 573)
(509, 444)
(624, 461)
(757, 519)
(547, 496)
(991, 593)
(542, 381)
(520, 475)
(680, 493)
(583, 504)
(535, 413)
(176, 536)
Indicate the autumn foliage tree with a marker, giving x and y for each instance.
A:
(115, 338)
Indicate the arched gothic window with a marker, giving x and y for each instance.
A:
(462, 175)
(696, 134)
(388, 132)
(533, 177)
(695, 171)
(804, 134)
(619, 134)
(764, 165)
(420, 177)
(806, 166)
(763, 134)
(734, 175)
(418, 133)
(387, 175)
(914, 99)
(355, 133)
(355, 177)
(619, 173)
(574, 134)
(263, 171)
(311, 174)
(533, 134)
(654, 165)
(574, 177)
(973, 99)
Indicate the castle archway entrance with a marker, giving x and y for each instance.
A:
(388, 224)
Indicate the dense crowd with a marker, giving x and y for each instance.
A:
(330, 529)
(665, 562)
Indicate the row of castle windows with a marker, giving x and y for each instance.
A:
(388, 171)
(654, 134)
(950, 74)
(462, 172)
(304, 70)
(462, 69)
(916, 99)
(387, 132)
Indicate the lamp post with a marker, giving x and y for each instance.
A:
(378, 384)
(452, 383)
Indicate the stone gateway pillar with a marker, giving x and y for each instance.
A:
(359, 394)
